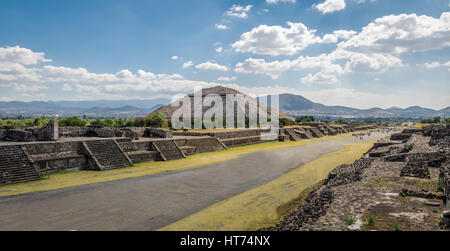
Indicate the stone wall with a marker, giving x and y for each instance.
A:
(158, 133)
(226, 134)
(135, 146)
(18, 136)
(202, 145)
(72, 132)
(46, 133)
(2, 133)
(140, 131)
(58, 156)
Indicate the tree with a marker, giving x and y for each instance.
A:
(72, 121)
(286, 122)
(156, 120)
(37, 122)
(305, 119)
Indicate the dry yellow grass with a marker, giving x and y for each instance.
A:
(79, 178)
(258, 207)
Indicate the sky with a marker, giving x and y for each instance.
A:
(359, 53)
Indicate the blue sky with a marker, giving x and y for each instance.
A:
(360, 53)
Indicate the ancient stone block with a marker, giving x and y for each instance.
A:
(158, 133)
(401, 136)
(16, 135)
(416, 167)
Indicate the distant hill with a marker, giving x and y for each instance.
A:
(444, 112)
(291, 105)
(296, 106)
(101, 108)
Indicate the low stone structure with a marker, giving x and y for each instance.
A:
(59, 149)
(371, 194)
(158, 133)
(16, 135)
(401, 136)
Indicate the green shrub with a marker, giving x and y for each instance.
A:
(348, 220)
(156, 120)
(371, 221)
(440, 187)
(72, 121)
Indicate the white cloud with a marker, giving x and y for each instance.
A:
(175, 57)
(226, 79)
(437, 65)
(365, 63)
(374, 50)
(219, 49)
(344, 34)
(330, 6)
(188, 64)
(274, 68)
(327, 75)
(211, 66)
(277, 40)
(397, 34)
(21, 56)
(222, 27)
(320, 78)
(6, 99)
(366, 100)
(280, 1)
(29, 88)
(239, 11)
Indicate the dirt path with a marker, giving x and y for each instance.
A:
(151, 202)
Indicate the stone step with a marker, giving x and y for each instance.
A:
(168, 149)
(108, 154)
(15, 166)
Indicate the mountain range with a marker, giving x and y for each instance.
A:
(100, 108)
(292, 105)
(297, 106)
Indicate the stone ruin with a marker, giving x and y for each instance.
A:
(53, 149)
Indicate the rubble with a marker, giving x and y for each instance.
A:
(376, 186)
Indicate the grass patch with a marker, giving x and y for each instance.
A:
(371, 221)
(348, 220)
(397, 227)
(440, 187)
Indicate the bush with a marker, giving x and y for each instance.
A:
(348, 220)
(72, 121)
(435, 120)
(156, 120)
(371, 221)
(306, 119)
(440, 187)
(286, 122)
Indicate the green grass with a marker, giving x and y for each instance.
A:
(348, 220)
(371, 221)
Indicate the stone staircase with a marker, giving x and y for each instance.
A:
(294, 136)
(16, 166)
(331, 130)
(316, 133)
(107, 155)
(188, 150)
(168, 150)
